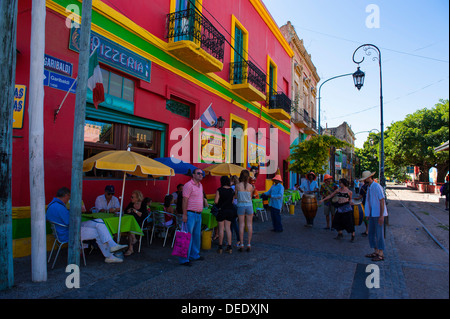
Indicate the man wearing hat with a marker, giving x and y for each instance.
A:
(276, 193)
(107, 202)
(309, 186)
(375, 211)
(326, 189)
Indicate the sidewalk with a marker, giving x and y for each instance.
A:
(299, 263)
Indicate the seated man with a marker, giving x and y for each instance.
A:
(107, 202)
(93, 229)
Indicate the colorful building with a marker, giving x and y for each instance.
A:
(163, 63)
(304, 90)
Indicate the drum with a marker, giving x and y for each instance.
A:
(309, 206)
(358, 212)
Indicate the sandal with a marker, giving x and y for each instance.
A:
(241, 247)
(128, 253)
(378, 258)
(249, 247)
(372, 255)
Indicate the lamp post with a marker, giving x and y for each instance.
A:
(358, 78)
(320, 87)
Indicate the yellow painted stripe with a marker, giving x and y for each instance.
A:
(22, 246)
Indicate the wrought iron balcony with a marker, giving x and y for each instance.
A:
(188, 31)
(280, 106)
(248, 80)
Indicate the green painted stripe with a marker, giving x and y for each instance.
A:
(142, 44)
(21, 228)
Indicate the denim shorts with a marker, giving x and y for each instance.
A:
(245, 210)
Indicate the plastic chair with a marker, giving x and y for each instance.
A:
(258, 208)
(61, 243)
(159, 222)
(146, 226)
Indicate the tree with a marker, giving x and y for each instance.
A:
(313, 154)
(412, 141)
(370, 153)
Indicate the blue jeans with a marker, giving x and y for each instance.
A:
(194, 224)
(276, 219)
(376, 234)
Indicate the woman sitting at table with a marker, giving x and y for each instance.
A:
(168, 208)
(138, 208)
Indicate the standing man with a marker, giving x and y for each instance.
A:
(375, 210)
(107, 202)
(276, 193)
(326, 189)
(309, 187)
(92, 229)
(193, 203)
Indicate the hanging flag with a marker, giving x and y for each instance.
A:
(95, 80)
(209, 117)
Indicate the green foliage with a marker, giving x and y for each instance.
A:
(410, 142)
(313, 154)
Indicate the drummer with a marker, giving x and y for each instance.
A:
(309, 187)
(326, 189)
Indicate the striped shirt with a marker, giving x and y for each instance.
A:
(194, 193)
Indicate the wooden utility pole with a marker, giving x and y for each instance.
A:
(78, 135)
(8, 27)
(36, 143)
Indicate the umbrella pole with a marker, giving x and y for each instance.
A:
(121, 207)
(168, 187)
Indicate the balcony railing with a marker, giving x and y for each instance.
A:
(193, 26)
(248, 72)
(279, 100)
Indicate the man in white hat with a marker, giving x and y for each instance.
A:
(375, 211)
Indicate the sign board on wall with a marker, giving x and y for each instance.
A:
(213, 147)
(20, 92)
(114, 55)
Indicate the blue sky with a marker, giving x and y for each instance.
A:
(412, 37)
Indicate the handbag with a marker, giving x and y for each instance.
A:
(182, 241)
(215, 210)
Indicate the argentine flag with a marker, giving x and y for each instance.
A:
(209, 117)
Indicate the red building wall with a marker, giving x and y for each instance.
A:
(150, 98)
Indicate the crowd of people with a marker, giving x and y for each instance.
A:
(233, 209)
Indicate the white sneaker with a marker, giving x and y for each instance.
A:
(113, 259)
(117, 248)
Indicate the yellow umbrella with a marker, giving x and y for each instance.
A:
(223, 169)
(127, 162)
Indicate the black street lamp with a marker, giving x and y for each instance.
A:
(358, 78)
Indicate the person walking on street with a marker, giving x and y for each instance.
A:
(193, 203)
(326, 189)
(375, 210)
(224, 201)
(243, 193)
(343, 219)
(275, 194)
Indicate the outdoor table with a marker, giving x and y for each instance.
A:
(128, 223)
(295, 195)
(208, 219)
(156, 206)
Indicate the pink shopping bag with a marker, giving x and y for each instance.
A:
(182, 241)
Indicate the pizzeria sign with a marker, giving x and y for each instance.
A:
(113, 54)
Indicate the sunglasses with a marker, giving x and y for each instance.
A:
(199, 173)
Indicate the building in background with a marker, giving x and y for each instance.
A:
(303, 92)
(344, 159)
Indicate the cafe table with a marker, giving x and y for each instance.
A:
(128, 222)
(295, 195)
(208, 219)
